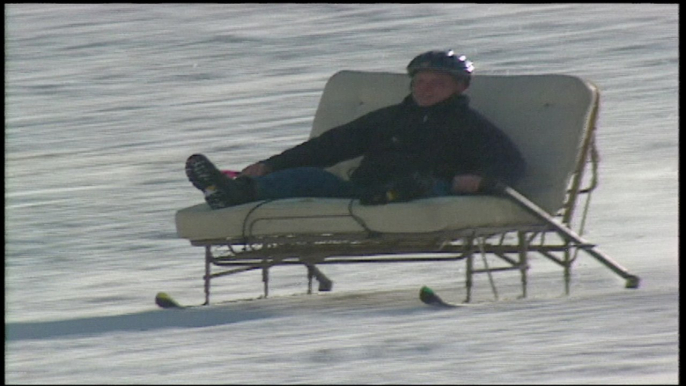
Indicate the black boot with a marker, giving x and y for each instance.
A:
(220, 191)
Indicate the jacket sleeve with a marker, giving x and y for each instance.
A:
(335, 145)
(499, 158)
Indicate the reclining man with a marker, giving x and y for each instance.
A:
(430, 144)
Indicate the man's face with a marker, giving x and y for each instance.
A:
(431, 87)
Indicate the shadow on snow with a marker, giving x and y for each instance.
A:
(142, 321)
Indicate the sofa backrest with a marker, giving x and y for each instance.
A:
(546, 116)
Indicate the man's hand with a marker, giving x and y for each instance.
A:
(256, 170)
(466, 183)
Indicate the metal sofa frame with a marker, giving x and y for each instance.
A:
(512, 247)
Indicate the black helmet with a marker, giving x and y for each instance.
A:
(445, 61)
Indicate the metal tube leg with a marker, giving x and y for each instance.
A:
(487, 269)
(523, 260)
(567, 271)
(208, 268)
(325, 284)
(310, 276)
(470, 265)
(265, 279)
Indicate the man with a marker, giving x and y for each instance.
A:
(430, 144)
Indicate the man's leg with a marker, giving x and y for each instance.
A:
(441, 188)
(222, 191)
(407, 188)
(302, 182)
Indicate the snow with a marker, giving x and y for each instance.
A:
(105, 102)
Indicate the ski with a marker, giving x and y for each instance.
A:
(428, 296)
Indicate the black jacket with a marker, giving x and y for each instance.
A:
(442, 140)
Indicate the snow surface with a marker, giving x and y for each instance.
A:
(105, 102)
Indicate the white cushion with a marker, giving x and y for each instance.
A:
(303, 216)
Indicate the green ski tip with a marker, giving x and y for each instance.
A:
(426, 290)
(163, 300)
(428, 296)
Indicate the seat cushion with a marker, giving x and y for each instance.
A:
(316, 216)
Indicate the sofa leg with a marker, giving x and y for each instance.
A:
(567, 271)
(310, 276)
(468, 282)
(469, 251)
(325, 284)
(523, 260)
(208, 268)
(265, 280)
(487, 268)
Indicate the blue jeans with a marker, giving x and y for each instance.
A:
(317, 182)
